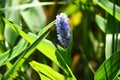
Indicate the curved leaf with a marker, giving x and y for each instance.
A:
(108, 26)
(47, 48)
(108, 7)
(109, 68)
(25, 54)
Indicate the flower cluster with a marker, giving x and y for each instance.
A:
(62, 27)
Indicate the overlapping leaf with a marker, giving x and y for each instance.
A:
(47, 48)
(25, 54)
(109, 68)
(108, 7)
(12, 53)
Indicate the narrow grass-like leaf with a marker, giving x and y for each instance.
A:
(22, 58)
(109, 68)
(46, 71)
(46, 47)
(1, 30)
(65, 53)
(64, 64)
(57, 53)
(2, 46)
(117, 77)
(12, 53)
(23, 34)
(108, 7)
(69, 48)
(46, 28)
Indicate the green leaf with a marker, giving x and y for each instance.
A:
(69, 48)
(112, 44)
(27, 52)
(1, 30)
(108, 7)
(109, 26)
(12, 53)
(117, 77)
(2, 44)
(108, 46)
(65, 53)
(109, 68)
(23, 34)
(57, 54)
(47, 48)
(101, 22)
(46, 71)
(13, 16)
(9, 36)
(112, 25)
(46, 27)
(34, 17)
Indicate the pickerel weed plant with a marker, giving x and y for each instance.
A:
(28, 46)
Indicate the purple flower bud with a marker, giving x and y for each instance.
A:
(62, 27)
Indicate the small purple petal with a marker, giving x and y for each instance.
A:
(62, 28)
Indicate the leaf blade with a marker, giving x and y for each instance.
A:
(44, 69)
(109, 68)
(47, 48)
(108, 7)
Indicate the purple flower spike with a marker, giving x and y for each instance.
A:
(62, 27)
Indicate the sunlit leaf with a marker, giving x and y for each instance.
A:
(108, 7)
(59, 56)
(48, 49)
(25, 54)
(13, 16)
(109, 68)
(108, 26)
(46, 71)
